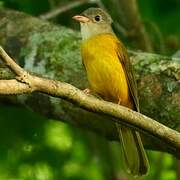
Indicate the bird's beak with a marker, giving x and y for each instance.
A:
(81, 18)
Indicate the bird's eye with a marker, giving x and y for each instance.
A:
(97, 18)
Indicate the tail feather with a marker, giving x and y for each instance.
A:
(134, 153)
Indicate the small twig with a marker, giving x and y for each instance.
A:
(22, 75)
(70, 93)
(55, 12)
(10, 63)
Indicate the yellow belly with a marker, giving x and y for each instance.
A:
(105, 72)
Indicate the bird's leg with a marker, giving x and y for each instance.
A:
(87, 91)
(119, 101)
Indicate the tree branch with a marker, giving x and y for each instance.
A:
(55, 12)
(28, 83)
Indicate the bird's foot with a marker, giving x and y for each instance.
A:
(119, 101)
(87, 91)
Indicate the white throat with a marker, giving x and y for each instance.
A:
(90, 29)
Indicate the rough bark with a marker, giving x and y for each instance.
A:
(53, 51)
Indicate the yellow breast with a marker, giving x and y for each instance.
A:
(105, 72)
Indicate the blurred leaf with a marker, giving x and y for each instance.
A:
(58, 136)
(1, 4)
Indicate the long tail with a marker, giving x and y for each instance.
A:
(134, 153)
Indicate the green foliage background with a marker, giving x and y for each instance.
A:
(32, 147)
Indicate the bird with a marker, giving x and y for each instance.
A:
(111, 76)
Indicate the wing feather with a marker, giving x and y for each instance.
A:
(124, 59)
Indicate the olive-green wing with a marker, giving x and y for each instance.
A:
(124, 59)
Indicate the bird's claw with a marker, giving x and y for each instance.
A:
(87, 91)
